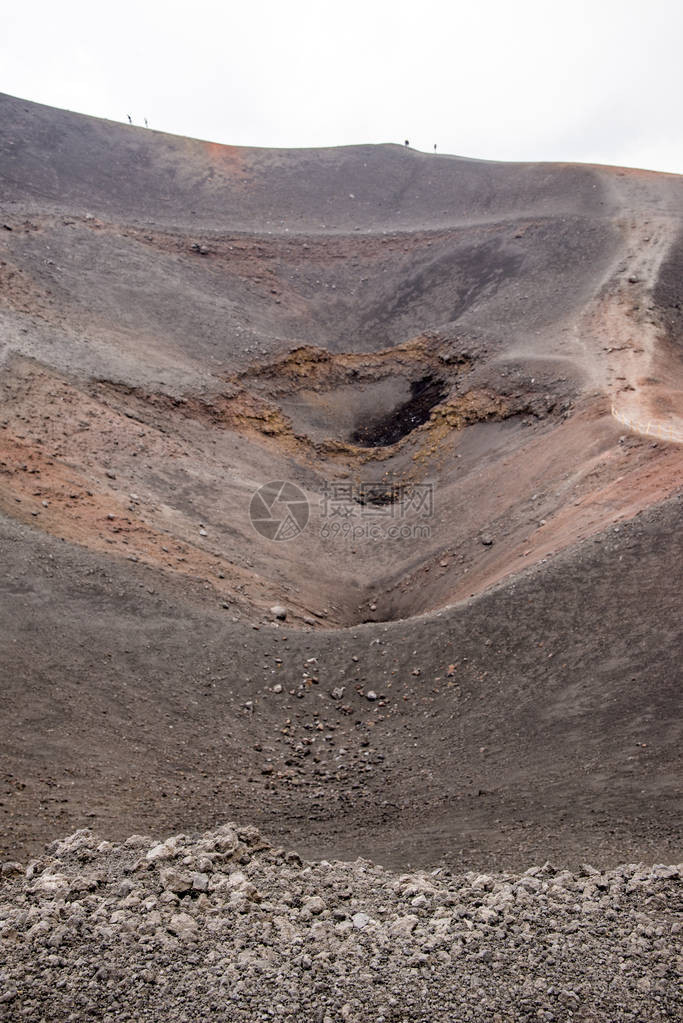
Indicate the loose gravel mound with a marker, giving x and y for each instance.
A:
(224, 926)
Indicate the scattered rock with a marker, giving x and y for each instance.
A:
(11, 867)
(177, 881)
(183, 928)
(315, 905)
(182, 925)
(360, 920)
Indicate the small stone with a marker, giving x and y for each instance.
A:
(11, 867)
(177, 881)
(163, 851)
(314, 904)
(51, 885)
(182, 925)
(661, 870)
(279, 612)
(371, 695)
(404, 926)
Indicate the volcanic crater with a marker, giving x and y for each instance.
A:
(472, 373)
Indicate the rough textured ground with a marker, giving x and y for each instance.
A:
(537, 720)
(495, 686)
(224, 926)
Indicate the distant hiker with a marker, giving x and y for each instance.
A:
(435, 147)
(130, 119)
(407, 143)
(147, 126)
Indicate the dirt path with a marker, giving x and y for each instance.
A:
(635, 363)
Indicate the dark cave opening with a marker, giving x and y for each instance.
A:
(392, 426)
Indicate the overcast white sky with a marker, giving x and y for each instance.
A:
(597, 81)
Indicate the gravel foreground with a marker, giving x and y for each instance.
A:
(224, 926)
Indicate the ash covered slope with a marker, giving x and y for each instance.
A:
(224, 926)
(127, 293)
(132, 175)
(539, 720)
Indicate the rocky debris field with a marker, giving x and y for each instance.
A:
(225, 926)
